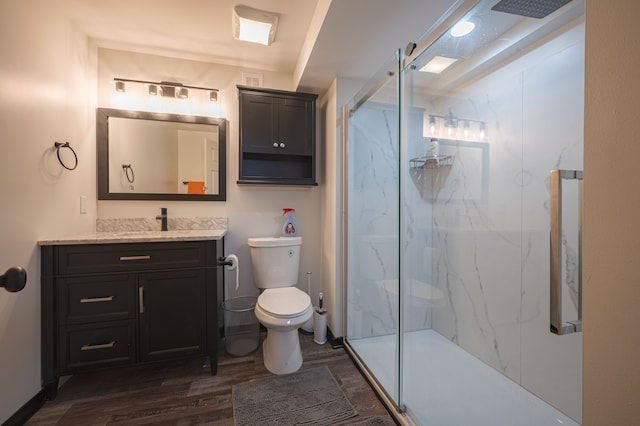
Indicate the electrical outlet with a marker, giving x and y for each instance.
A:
(83, 204)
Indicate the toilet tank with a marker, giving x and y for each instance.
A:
(275, 261)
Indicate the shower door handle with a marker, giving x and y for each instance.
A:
(557, 324)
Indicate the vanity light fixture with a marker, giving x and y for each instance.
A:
(254, 25)
(451, 126)
(167, 89)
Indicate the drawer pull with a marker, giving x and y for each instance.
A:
(146, 257)
(97, 299)
(98, 346)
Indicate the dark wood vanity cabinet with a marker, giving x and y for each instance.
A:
(277, 137)
(110, 305)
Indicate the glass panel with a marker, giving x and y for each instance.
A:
(479, 139)
(373, 270)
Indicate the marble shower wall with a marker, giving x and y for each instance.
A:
(491, 220)
(374, 223)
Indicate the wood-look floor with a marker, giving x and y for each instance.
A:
(185, 393)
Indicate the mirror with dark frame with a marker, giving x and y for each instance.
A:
(159, 156)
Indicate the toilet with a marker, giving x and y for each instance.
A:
(281, 307)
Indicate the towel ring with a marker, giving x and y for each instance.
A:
(59, 145)
(127, 168)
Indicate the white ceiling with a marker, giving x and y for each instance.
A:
(316, 41)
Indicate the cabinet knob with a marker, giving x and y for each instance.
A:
(282, 145)
(275, 144)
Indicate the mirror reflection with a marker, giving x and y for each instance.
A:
(143, 155)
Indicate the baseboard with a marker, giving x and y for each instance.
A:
(25, 412)
(336, 342)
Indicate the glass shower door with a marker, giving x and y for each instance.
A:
(486, 117)
(373, 238)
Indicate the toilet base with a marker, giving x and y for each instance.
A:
(281, 351)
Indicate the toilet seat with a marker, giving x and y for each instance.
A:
(285, 302)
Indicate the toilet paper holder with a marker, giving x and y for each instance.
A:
(230, 263)
(222, 261)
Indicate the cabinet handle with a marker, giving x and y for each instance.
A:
(275, 144)
(146, 257)
(97, 299)
(98, 346)
(141, 299)
(558, 326)
(282, 145)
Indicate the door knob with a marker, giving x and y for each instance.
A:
(14, 279)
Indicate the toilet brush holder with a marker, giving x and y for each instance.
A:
(320, 326)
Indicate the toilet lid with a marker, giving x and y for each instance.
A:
(284, 302)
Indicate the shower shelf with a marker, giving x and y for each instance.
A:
(431, 162)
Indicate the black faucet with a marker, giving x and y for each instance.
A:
(163, 217)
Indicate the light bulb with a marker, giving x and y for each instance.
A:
(432, 124)
(183, 93)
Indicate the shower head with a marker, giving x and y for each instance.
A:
(530, 8)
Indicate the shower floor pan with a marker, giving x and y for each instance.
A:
(445, 385)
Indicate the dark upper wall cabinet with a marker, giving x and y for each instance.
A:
(277, 137)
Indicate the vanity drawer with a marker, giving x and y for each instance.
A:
(97, 345)
(93, 298)
(92, 258)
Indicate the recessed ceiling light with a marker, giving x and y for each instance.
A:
(462, 28)
(438, 64)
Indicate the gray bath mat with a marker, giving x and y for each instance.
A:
(307, 397)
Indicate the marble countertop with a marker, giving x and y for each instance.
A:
(137, 237)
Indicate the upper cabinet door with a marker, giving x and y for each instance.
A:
(258, 123)
(294, 126)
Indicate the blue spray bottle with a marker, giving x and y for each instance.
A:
(289, 228)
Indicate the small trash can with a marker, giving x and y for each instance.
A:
(241, 327)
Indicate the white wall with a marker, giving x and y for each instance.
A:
(330, 111)
(253, 211)
(47, 94)
(611, 289)
(330, 225)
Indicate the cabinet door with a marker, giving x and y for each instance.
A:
(294, 126)
(172, 313)
(257, 124)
